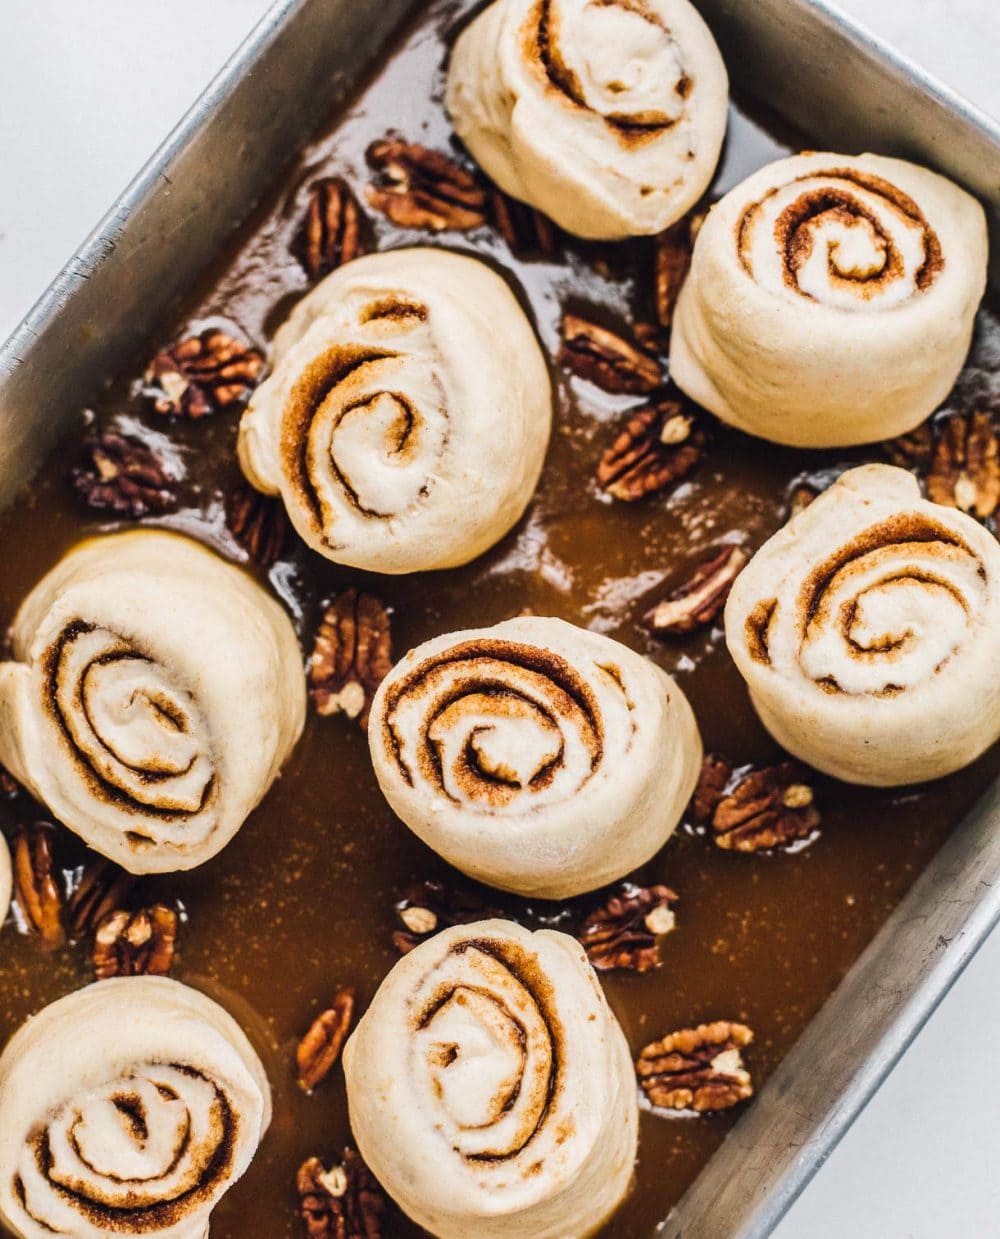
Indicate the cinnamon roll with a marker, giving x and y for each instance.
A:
(491, 1089)
(129, 1108)
(154, 693)
(406, 420)
(831, 299)
(6, 880)
(607, 115)
(868, 631)
(534, 755)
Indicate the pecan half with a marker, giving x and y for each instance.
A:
(421, 188)
(331, 232)
(711, 787)
(607, 358)
(136, 944)
(344, 1202)
(35, 886)
(699, 601)
(965, 465)
(352, 655)
(912, 451)
(124, 476)
(626, 931)
(258, 522)
(766, 809)
(659, 445)
(101, 889)
(202, 374)
(697, 1068)
(671, 260)
(525, 230)
(429, 906)
(320, 1048)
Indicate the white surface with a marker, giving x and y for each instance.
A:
(86, 92)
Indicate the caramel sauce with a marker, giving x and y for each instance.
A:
(302, 902)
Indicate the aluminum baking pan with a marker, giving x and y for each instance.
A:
(837, 85)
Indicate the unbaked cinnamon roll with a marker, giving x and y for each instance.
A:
(607, 115)
(868, 631)
(129, 1108)
(154, 693)
(831, 299)
(491, 1089)
(407, 418)
(6, 880)
(535, 756)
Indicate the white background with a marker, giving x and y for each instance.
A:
(87, 90)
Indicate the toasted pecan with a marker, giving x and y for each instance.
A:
(625, 932)
(421, 188)
(697, 1069)
(320, 1048)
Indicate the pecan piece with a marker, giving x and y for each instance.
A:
(766, 809)
(421, 188)
(320, 1048)
(344, 1202)
(101, 889)
(697, 1068)
(698, 601)
(331, 232)
(659, 446)
(965, 466)
(710, 789)
(607, 358)
(626, 931)
(525, 230)
(35, 887)
(671, 260)
(429, 906)
(352, 655)
(912, 451)
(258, 522)
(124, 476)
(202, 374)
(136, 944)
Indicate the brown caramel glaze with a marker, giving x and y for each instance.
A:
(301, 903)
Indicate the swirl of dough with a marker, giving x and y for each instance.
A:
(831, 299)
(867, 626)
(6, 880)
(491, 1089)
(129, 1108)
(534, 755)
(155, 694)
(842, 236)
(397, 380)
(608, 115)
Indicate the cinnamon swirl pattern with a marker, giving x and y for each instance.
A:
(491, 1089)
(868, 631)
(534, 755)
(608, 115)
(831, 299)
(129, 1108)
(407, 418)
(154, 694)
